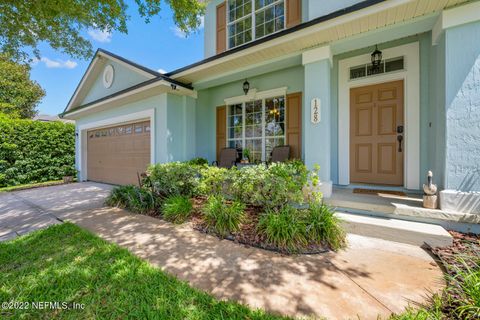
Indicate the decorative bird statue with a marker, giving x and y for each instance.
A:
(430, 189)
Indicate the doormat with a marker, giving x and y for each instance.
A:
(376, 192)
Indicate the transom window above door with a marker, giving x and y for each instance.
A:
(248, 20)
(258, 126)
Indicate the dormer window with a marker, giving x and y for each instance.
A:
(250, 20)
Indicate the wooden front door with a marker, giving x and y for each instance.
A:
(376, 134)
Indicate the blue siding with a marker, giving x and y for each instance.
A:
(124, 78)
(315, 8)
(462, 54)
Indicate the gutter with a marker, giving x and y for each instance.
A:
(122, 92)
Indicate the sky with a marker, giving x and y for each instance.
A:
(158, 45)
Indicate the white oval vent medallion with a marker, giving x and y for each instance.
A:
(108, 75)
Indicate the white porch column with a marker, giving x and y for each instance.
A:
(317, 64)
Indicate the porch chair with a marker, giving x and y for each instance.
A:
(280, 154)
(228, 158)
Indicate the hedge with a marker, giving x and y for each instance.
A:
(34, 151)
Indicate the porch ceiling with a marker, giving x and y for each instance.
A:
(372, 18)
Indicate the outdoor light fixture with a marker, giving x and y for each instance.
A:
(246, 87)
(376, 57)
(174, 86)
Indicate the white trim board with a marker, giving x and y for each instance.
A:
(160, 83)
(96, 60)
(253, 94)
(82, 135)
(456, 16)
(411, 77)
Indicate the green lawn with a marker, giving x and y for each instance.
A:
(65, 263)
(31, 185)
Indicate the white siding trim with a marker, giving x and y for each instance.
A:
(82, 136)
(317, 54)
(161, 83)
(411, 77)
(127, 65)
(253, 94)
(455, 17)
(85, 78)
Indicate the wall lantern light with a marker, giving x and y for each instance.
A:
(376, 57)
(246, 87)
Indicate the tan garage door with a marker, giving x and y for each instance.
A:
(115, 154)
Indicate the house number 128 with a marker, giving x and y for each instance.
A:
(315, 107)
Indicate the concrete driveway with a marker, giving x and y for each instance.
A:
(369, 279)
(28, 210)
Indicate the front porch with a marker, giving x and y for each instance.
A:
(406, 207)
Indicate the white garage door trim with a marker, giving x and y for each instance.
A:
(82, 136)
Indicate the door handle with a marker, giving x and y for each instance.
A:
(399, 139)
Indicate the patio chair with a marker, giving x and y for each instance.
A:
(228, 158)
(280, 154)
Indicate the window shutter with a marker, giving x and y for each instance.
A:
(294, 124)
(221, 129)
(221, 28)
(294, 12)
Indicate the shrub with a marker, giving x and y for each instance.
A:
(311, 190)
(131, 197)
(322, 225)
(283, 228)
(174, 178)
(223, 217)
(177, 209)
(197, 161)
(270, 187)
(465, 287)
(213, 180)
(35, 151)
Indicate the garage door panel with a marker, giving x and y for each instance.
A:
(116, 154)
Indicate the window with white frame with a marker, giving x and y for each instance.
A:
(386, 66)
(253, 19)
(258, 126)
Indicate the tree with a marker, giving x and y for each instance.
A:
(25, 23)
(19, 95)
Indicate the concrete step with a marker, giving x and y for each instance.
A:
(415, 233)
(409, 207)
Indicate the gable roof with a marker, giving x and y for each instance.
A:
(151, 75)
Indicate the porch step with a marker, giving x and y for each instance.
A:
(415, 233)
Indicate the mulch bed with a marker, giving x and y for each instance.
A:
(463, 254)
(465, 246)
(248, 234)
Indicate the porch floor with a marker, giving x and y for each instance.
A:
(407, 207)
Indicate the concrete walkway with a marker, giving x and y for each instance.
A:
(372, 277)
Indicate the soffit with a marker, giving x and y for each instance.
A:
(345, 26)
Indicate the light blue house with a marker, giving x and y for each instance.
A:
(315, 82)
